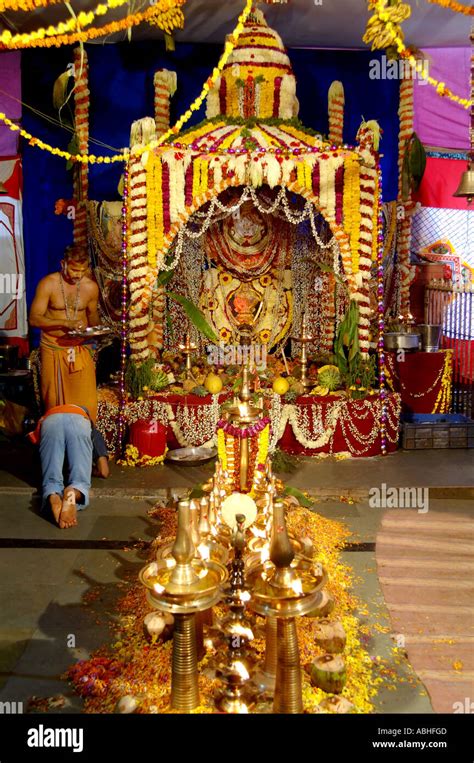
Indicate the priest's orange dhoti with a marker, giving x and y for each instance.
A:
(67, 374)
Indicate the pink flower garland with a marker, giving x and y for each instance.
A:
(243, 432)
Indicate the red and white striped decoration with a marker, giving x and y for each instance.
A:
(142, 132)
(164, 83)
(405, 113)
(368, 186)
(81, 171)
(336, 112)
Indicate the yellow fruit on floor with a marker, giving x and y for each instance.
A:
(213, 383)
(280, 385)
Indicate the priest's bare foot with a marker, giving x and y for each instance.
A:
(68, 516)
(55, 502)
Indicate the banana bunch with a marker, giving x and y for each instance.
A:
(169, 19)
(378, 33)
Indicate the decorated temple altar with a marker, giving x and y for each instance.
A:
(308, 426)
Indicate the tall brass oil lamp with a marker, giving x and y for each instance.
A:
(237, 695)
(243, 414)
(184, 585)
(285, 587)
(304, 338)
(188, 348)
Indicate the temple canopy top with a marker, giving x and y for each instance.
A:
(258, 79)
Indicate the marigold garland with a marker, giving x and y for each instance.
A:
(391, 34)
(351, 206)
(83, 19)
(452, 5)
(139, 150)
(26, 5)
(154, 210)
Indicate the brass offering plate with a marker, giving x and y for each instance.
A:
(191, 456)
(91, 332)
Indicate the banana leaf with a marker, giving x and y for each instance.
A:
(60, 90)
(195, 316)
(347, 336)
(306, 502)
(164, 277)
(414, 164)
(417, 161)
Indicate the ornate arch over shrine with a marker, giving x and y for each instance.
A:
(251, 138)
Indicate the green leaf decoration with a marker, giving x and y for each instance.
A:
(73, 149)
(195, 316)
(347, 338)
(301, 498)
(164, 277)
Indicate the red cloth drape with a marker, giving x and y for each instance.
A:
(418, 378)
(441, 179)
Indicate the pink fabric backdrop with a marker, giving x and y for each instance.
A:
(438, 121)
(10, 85)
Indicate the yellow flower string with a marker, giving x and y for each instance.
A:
(140, 150)
(26, 5)
(453, 6)
(83, 19)
(164, 13)
(393, 37)
(154, 208)
(351, 208)
(443, 401)
(221, 448)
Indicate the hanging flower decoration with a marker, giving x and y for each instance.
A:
(26, 5)
(384, 30)
(452, 5)
(139, 151)
(165, 14)
(443, 400)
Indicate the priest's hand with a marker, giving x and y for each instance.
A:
(71, 325)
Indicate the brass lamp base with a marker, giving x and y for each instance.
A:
(184, 676)
(288, 687)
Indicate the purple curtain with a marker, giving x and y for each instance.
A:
(438, 121)
(10, 95)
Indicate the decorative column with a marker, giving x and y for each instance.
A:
(165, 83)
(81, 170)
(336, 112)
(142, 132)
(406, 273)
(368, 138)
